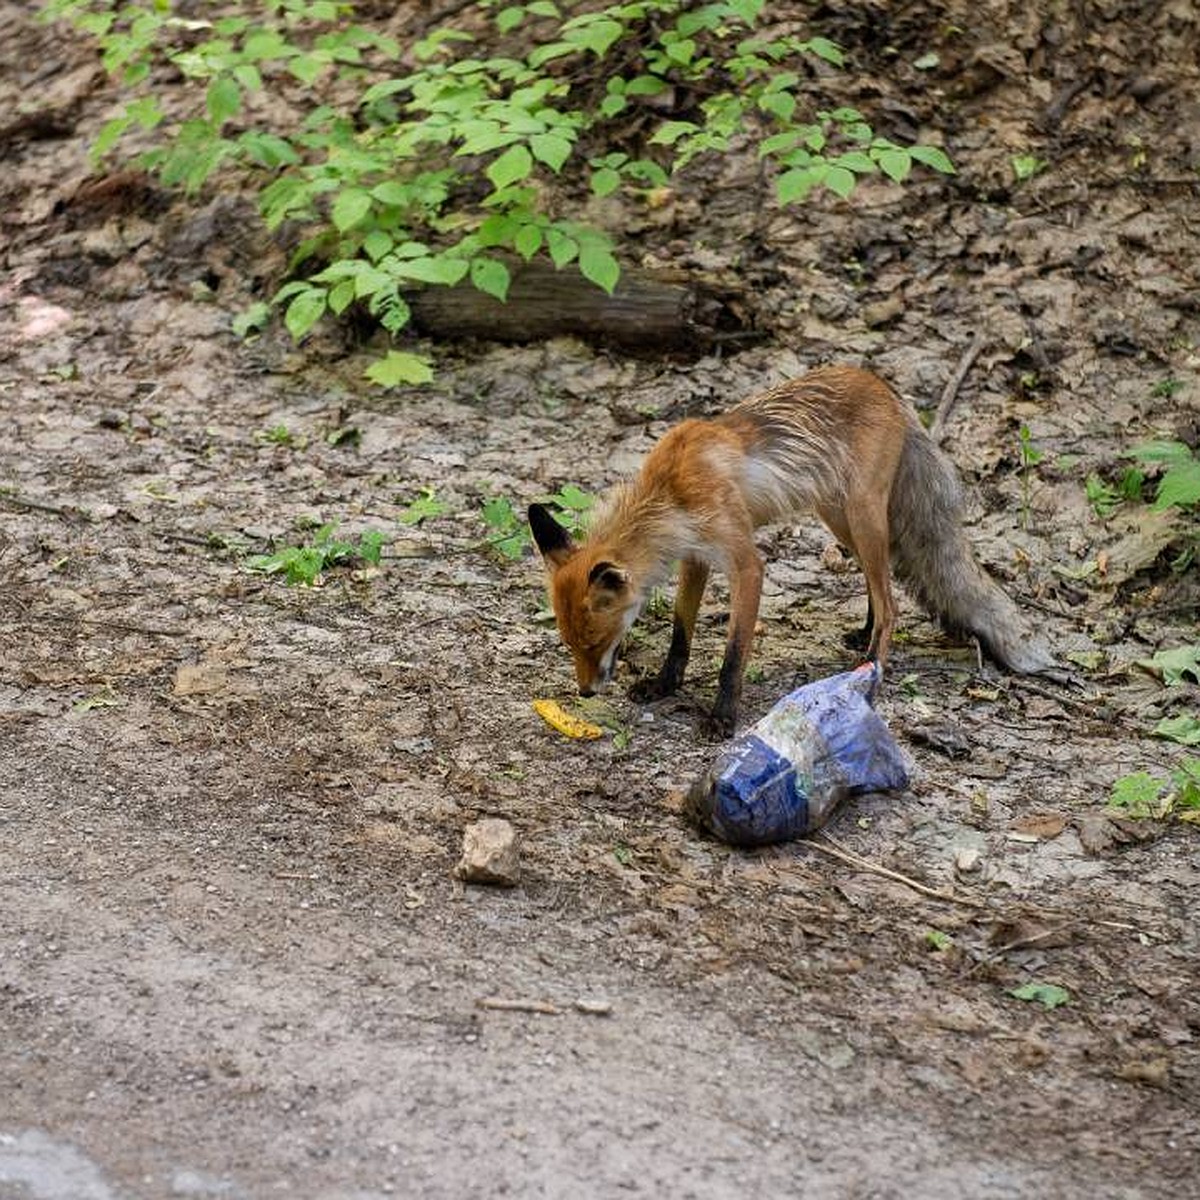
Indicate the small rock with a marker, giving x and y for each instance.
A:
(593, 1007)
(967, 859)
(490, 853)
(882, 312)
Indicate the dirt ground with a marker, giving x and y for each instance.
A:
(234, 960)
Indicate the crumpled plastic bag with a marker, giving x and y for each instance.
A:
(784, 776)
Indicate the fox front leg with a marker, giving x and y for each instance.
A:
(693, 577)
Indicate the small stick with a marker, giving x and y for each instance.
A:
(1018, 944)
(830, 847)
(950, 395)
(58, 510)
(501, 1004)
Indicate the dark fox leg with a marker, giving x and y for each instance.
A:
(860, 639)
(746, 579)
(693, 578)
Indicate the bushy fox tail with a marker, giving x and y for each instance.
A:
(933, 559)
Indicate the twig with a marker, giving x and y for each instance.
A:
(501, 1004)
(950, 395)
(1018, 944)
(130, 627)
(59, 510)
(828, 846)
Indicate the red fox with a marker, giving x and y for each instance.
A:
(838, 442)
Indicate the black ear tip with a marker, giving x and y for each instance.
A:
(550, 536)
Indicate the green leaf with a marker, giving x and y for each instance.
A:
(392, 193)
(342, 296)
(1174, 665)
(1136, 795)
(779, 104)
(1184, 729)
(370, 546)
(562, 248)
(490, 276)
(306, 68)
(838, 179)
(856, 161)
(1179, 486)
(251, 320)
(376, 244)
(528, 241)
(795, 185)
(511, 167)
(669, 132)
(423, 508)
(507, 19)
(825, 49)
(434, 269)
(350, 207)
(110, 133)
(305, 310)
(551, 50)
(597, 265)
(596, 36)
(681, 51)
(895, 162)
(605, 181)
(646, 85)
(399, 367)
(551, 148)
(1048, 994)
(933, 157)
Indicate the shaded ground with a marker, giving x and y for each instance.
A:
(233, 959)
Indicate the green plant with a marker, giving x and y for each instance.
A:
(278, 435)
(508, 534)
(572, 505)
(1174, 665)
(306, 564)
(1105, 498)
(1166, 388)
(1049, 995)
(424, 507)
(1184, 729)
(1143, 795)
(1030, 456)
(1179, 485)
(1026, 166)
(446, 172)
(508, 531)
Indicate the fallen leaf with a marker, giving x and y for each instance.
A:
(1042, 826)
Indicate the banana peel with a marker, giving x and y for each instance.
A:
(566, 723)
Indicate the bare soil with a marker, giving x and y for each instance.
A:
(234, 960)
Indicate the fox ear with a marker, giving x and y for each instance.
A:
(608, 576)
(552, 539)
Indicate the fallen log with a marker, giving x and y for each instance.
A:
(658, 311)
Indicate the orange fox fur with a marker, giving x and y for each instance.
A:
(837, 442)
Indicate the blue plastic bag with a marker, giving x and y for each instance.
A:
(783, 777)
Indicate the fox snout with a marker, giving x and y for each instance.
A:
(593, 675)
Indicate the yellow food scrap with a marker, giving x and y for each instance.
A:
(554, 714)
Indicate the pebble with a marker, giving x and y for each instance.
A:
(967, 859)
(490, 853)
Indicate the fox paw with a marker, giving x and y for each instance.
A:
(651, 687)
(716, 727)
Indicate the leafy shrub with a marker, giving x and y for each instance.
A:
(442, 168)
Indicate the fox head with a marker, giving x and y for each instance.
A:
(594, 601)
